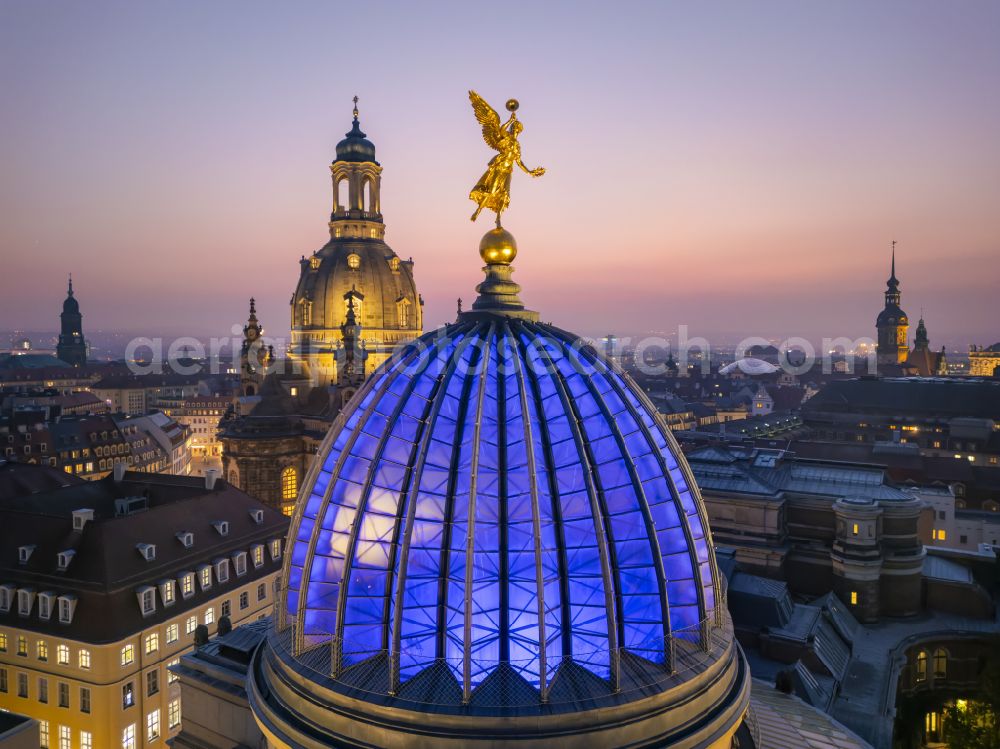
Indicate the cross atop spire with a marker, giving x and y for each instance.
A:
(69, 291)
(892, 275)
(355, 108)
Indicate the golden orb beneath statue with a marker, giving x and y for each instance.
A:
(512, 105)
(498, 247)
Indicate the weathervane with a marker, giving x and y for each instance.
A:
(492, 191)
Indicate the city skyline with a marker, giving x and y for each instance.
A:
(757, 172)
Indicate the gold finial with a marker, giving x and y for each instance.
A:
(355, 107)
(492, 191)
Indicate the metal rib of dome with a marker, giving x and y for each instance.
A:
(499, 495)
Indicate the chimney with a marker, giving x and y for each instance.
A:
(211, 474)
(119, 472)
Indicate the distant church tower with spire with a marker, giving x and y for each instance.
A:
(72, 347)
(892, 323)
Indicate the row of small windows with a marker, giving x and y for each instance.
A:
(47, 600)
(42, 651)
(65, 734)
(203, 577)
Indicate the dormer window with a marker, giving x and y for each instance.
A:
(186, 538)
(6, 597)
(394, 263)
(275, 549)
(148, 551)
(314, 262)
(205, 576)
(64, 558)
(187, 585)
(168, 592)
(24, 553)
(46, 601)
(222, 526)
(257, 516)
(258, 555)
(240, 563)
(67, 606)
(25, 601)
(222, 570)
(146, 596)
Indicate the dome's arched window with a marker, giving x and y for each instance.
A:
(940, 663)
(922, 666)
(314, 262)
(353, 261)
(289, 483)
(394, 263)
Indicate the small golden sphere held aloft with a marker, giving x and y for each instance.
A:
(512, 105)
(498, 247)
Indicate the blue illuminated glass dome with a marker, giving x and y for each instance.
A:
(500, 527)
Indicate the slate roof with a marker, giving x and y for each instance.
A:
(769, 473)
(918, 396)
(107, 569)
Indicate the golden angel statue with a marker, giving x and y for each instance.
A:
(493, 188)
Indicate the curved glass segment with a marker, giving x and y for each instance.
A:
(499, 495)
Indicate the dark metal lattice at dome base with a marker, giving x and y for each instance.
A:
(499, 502)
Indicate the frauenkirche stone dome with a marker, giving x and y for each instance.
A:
(355, 265)
(499, 544)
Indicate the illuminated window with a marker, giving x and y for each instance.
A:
(152, 643)
(128, 737)
(287, 509)
(62, 655)
(128, 695)
(22, 645)
(190, 624)
(940, 663)
(153, 726)
(314, 262)
(922, 666)
(171, 676)
(275, 554)
(854, 598)
(289, 483)
(43, 732)
(174, 713)
(128, 655)
(3, 642)
(258, 555)
(84, 659)
(187, 585)
(403, 312)
(206, 577)
(42, 649)
(854, 529)
(86, 740)
(354, 261)
(210, 615)
(173, 633)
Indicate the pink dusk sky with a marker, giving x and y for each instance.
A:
(740, 168)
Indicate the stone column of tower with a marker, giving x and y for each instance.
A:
(72, 348)
(892, 323)
(388, 308)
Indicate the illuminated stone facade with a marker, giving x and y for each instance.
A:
(355, 263)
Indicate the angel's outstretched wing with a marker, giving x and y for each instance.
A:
(489, 119)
